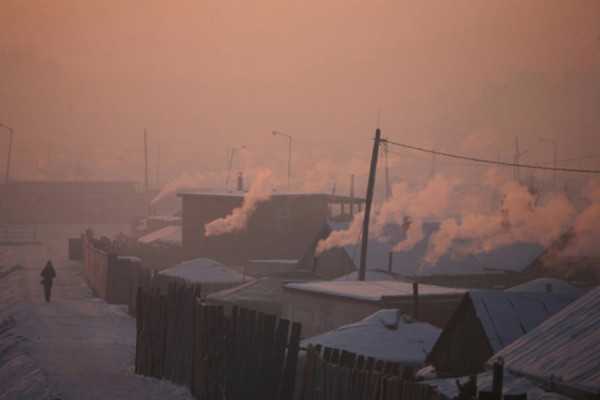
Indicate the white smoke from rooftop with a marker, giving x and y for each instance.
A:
(260, 191)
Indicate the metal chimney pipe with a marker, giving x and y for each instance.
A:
(416, 300)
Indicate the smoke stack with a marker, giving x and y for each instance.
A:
(390, 261)
(548, 288)
(416, 300)
(315, 263)
(240, 182)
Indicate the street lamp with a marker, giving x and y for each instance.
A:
(230, 162)
(278, 133)
(10, 140)
(554, 156)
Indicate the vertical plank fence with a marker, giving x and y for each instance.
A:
(244, 354)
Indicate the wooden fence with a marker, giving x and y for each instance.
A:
(246, 354)
(239, 356)
(335, 375)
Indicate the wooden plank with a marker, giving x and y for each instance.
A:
(289, 375)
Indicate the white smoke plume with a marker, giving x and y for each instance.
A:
(521, 218)
(260, 191)
(474, 224)
(342, 237)
(586, 229)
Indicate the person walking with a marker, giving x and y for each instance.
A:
(48, 274)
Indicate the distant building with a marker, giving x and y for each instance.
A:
(487, 321)
(281, 228)
(325, 305)
(85, 202)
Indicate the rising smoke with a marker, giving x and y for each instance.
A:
(513, 213)
(260, 191)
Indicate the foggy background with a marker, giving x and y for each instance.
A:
(80, 80)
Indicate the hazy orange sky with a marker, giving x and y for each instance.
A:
(80, 80)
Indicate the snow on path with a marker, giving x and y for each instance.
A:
(84, 347)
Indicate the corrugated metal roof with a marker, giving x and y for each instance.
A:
(506, 316)
(565, 349)
(370, 290)
(385, 335)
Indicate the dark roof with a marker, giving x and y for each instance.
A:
(564, 350)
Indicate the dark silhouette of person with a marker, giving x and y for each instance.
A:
(48, 274)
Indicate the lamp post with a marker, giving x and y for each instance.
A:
(230, 163)
(278, 133)
(10, 141)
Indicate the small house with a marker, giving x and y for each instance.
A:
(563, 352)
(210, 275)
(485, 322)
(325, 305)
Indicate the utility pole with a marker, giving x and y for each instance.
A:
(368, 203)
(8, 158)
(388, 189)
(145, 161)
(352, 195)
(289, 137)
(517, 160)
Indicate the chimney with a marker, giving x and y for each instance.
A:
(416, 301)
(240, 182)
(315, 263)
(390, 261)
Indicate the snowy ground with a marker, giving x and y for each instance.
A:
(76, 347)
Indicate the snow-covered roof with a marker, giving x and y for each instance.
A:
(370, 275)
(169, 234)
(545, 285)
(204, 270)
(385, 335)
(275, 261)
(506, 316)
(370, 290)
(564, 349)
(511, 385)
(514, 257)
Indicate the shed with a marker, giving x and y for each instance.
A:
(211, 275)
(385, 335)
(485, 322)
(563, 351)
(325, 305)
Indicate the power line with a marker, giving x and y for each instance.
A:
(492, 162)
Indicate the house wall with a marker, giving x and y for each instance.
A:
(282, 227)
(319, 314)
(462, 348)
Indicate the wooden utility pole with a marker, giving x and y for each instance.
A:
(352, 195)
(10, 142)
(145, 161)
(388, 188)
(368, 203)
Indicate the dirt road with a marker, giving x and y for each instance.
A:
(77, 346)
